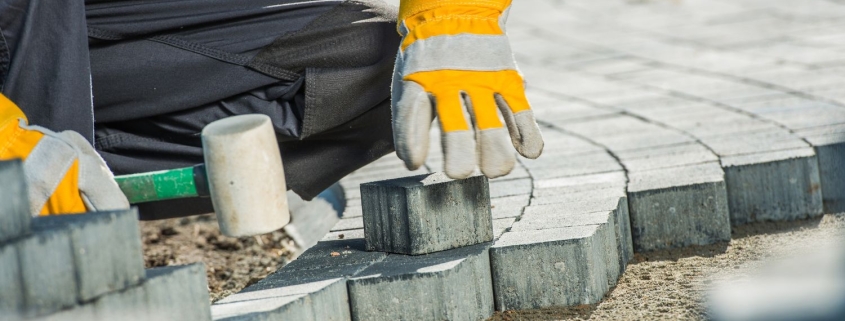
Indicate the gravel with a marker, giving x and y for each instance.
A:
(231, 263)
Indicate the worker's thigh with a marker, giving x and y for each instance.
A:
(44, 66)
(320, 70)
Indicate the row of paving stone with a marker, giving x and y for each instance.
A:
(85, 267)
(654, 139)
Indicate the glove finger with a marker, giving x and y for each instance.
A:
(97, 187)
(413, 115)
(524, 132)
(459, 155)
(496, 157)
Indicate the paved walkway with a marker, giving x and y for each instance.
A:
(666, 123)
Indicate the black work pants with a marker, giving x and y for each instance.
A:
(159, 71)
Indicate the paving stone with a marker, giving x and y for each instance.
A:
(48, 273)
(583, 200)
(11, 296)
(676, 207)
(500, 226)
(553, 267)
(781, 185)
(312, 287)
(426, 213)
(522, 186)
(325, 300)
(618, 125)
(579, 183)
(666, 156)
(14, 201)
(344, 235)
(753, 143)
(447, 285)
(178, 292)
(510, 206)
(80, 313)
(167, 293)
(106, 249)
(830, 151)
(128, 304)
(550, 167)
(349, 224)
(644, 140)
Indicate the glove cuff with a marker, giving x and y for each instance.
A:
(410, 8)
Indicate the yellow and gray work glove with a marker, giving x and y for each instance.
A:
(455, 59)
(64, 174)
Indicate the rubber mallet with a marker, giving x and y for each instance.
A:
(242, 174)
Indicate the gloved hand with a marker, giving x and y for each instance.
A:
(63, 173)
(456, 58)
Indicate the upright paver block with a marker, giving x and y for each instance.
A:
(311, 288)
(178, 293)
(552, 267)
(48, 273)
(447, 285)
(14, 201)
(830, 151)
(781, 185)
(11, 288)
(427, 213)
(678, 207)
(106, 249)
(167, 293)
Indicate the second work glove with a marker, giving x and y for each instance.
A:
(455, 62)
(64, 175)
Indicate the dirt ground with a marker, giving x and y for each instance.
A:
(231, 263)
(669, 285)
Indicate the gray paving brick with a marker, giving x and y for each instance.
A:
(344, 235)
(79, 313)
(14, 201)
(427, 213)
(553, 267)
(573, 199)
(644, 140)
(576, 165)
(579, 183)
(830, 151)
(447, 285)
(178, 292)
(128, 304)
(106, 249)
(670, 156)
(11, 296)
(47, 270)
(708, 128)
(781, 185)
(556, 220)
(677, 207)
(326, 300)
(312, 287)
(753, 143)
(500, 226)
(347, 252)
(510, 206)
(522, 186)
(167, 293)
(349, 224)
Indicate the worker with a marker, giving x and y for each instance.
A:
(105, 87)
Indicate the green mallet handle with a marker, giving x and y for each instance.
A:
(164, 185)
